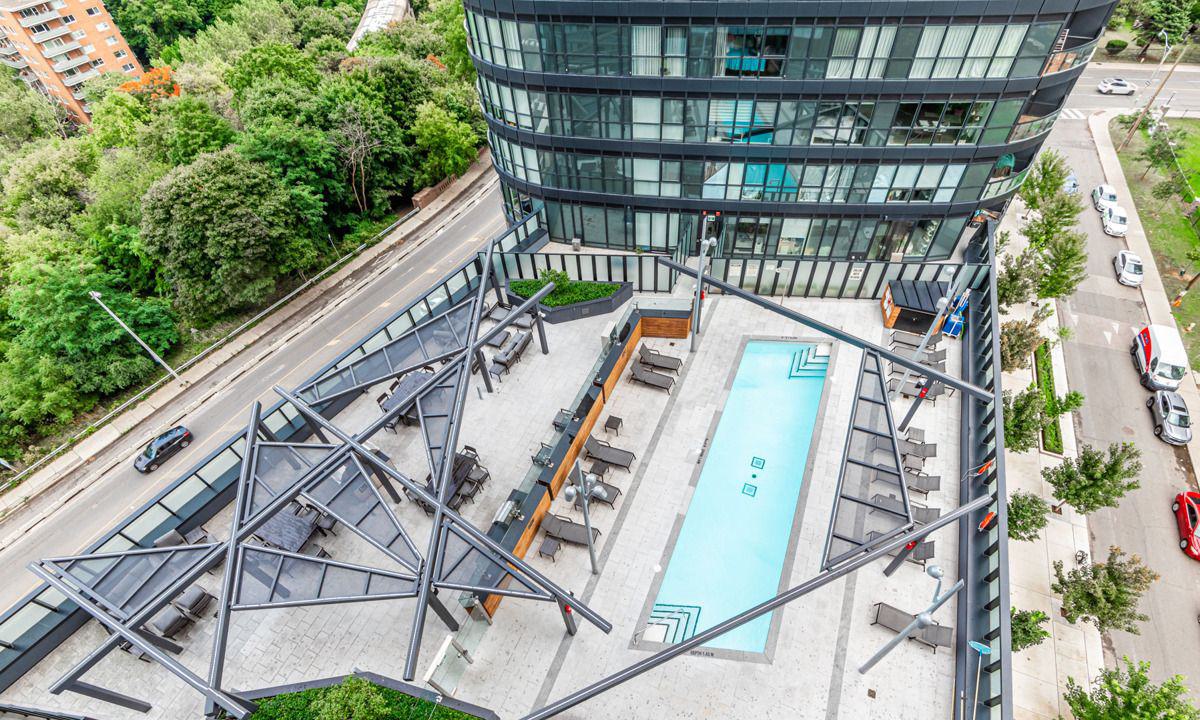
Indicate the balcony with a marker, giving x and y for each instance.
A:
(51, 33)
(63, 49)
(1070, 57)
(41, 17)
(8, 50)
(16, 63)
(78, 78)
(78, 94)
(74, 62)
(1028, 126)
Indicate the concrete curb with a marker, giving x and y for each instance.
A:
(428, 222)
(1154, 296)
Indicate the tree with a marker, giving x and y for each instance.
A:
(301, 156)
(447, 143)
(352, 699)
(1027, 515)
(1105, 594)
(44, 187)
(1045, 180)
(1018, 278)
(1095, 479)
(1019, 339)
(357, 138)
(1027, 413)
(118, 120)
(1065, 262)
(1127, 694)
(183, 128)
(1158, 151)
(1027, 629)
(448, 19)
(272, 61)
(25, 115)
(1057, 213)
(225, 230)
(1156, 16)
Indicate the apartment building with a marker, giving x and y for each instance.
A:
(795, 128)
(57, 45)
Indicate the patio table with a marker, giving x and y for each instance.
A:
(286, 531)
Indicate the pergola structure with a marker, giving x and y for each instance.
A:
(342, 477)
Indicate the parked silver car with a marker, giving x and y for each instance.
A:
(1172, 424)
(1128, 267)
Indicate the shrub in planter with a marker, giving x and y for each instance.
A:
(566, 291)
(1115, 46)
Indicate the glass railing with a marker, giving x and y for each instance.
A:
(1029, 127)
(1003, 185)
(1067, 59)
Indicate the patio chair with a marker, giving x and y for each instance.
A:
(918, 449)
(381, 399)
(925, 515)
(170, 622)
(602, 451)
(654, 358)
(892, 618)
(479, 475)
(646, 376)
(912, 389)
(470, 452)
(542, 456)
(922, 483)
(612, 492)
(935, 636)
(193, 601)
(325, 524)
(197, 536)
(567, 530)
(563, 419)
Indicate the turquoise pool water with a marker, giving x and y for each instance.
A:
(731, 548)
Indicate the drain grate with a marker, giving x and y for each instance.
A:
(748, 489)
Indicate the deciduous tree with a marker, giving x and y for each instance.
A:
(1027, 515)
(1105, 594)
(1096, 479)
(1065, 261)
(448, 144)
(1027, 630)
(1128, 694)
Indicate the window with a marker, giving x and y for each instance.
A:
(120, 54)
(89, 49)
(128, 67)
(110, 40)
(98, 62)
(102, 26)
(78, 35)
(93, 11)
(68, 19)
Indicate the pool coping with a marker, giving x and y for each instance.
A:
(789, 558)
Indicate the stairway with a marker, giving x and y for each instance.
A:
(810, 361)
(679, 621)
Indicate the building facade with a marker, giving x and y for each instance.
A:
(792, 128)
(57, 45)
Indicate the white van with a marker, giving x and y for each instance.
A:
(1159, 356)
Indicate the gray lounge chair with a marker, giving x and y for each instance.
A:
(922, 450)
(925, 484)
(654, 358)
(170, 622)
(567, 530)
(601, 450)
(911, 389)
(646, 376)
(925, 515)
(611, 491)
(193, 601)
(935, 636)
(892, 618)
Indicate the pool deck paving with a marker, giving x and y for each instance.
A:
(524, 659)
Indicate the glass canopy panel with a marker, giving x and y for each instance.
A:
(872, 501)
(465, 565)
(269, 577)
(277, 468)
(126, 583)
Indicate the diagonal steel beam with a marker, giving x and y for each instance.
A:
(836, 333)
(759, 610)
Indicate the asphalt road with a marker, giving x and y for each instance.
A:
(1103, 316)
(1185, 83)
(91, 513)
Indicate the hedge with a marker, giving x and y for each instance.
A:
(1044, 371)
(369, 702)
(566, 291)
(1115, 46)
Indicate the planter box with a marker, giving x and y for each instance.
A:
(576, 311)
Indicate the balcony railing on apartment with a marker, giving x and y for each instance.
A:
(65, 65)
(63, 49)
(41, 17)
(8, 50)
(78, 78)
(15, 63)
(51, 33)
(1069, 57)
(1029, 126)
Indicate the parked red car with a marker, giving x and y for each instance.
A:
(1187, 513)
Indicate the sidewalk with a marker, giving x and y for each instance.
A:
(1040, 673)
(1154, 296)
(329, 294)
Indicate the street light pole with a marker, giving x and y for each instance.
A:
(1150, 103)
(586, 485)
(96, 296)
(704, 246)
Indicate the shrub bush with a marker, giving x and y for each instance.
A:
(566, 291)
(1052, 434)
(1115, 46)
(353, 699)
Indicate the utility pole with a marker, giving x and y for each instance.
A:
(96, 296)
(1150, 103)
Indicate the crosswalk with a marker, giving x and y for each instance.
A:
(1071, 114)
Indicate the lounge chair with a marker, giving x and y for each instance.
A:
(193, 601)
(925, 515)
(654, 358)
(170, 622)
(612, 492)
(601, 450)
(897, 620)
(567, 530)
(542, 457)
(935, 636)
(922, 483)
(911, 389)
(892, 618)
(646, 376)
(921, 450)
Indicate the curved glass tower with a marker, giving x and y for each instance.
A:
(854, 130)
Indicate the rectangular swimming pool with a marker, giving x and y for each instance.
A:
(731, 548)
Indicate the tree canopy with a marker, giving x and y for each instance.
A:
(1128, 694)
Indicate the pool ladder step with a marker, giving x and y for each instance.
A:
(679, 621)
(810, 361)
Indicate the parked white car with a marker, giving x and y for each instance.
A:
(1116, 86)
(1128, 267)
(1104, 197)
(1116, 222)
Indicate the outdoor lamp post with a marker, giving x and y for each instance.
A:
(584, 486)
(96, 296)
(705, 245)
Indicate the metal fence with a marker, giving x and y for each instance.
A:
(983, 609)
(643, 271)
(859, 279)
